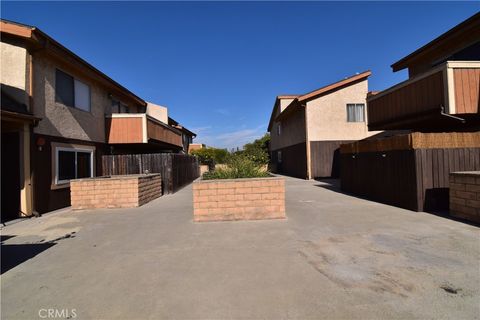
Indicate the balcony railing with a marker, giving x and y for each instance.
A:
(140, 128)
(452, 89)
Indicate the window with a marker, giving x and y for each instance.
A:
(279, 156)
(71, 92)
(355, 112)
(73, 164)
(118, 107)
(123, 108)
(279, 129)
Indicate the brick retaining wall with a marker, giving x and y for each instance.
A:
(239, 199)
(115, 192)
(465, 195)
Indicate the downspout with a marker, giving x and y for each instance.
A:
(307, 143)
(32, 140)
(442, 112)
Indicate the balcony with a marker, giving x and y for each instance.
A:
(140, 128)
(446, 95)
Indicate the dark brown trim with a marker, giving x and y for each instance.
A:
(19, 117)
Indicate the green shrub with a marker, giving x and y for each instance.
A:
(257, 151)
(238, 166)
(207, 155)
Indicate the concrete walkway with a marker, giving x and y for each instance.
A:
(335, 257)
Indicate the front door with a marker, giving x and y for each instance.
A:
(10, 176)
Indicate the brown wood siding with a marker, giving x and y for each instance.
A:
(176, 170)
(416, 97)
(325, 158)
(294, 161)
(44, 198)
(160, 133)
(415, 179)
(124, 130)
(467, 87)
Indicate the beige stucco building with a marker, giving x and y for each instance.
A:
(307, 130)
(60, 115)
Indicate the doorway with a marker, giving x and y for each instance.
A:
(10, 176)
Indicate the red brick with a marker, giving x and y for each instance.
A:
(208, 192)
(243, 190)
(473, 203)
(465, 194)
(458, 201)
(464, 179)
(239, 197)
(276, 189)
(226, 191)
(252, 196)
(472, 188)
(457, 186)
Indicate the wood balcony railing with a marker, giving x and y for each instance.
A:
(139, 128)
(449, 89)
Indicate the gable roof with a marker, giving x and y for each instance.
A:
(275, 106)
(460, 36)
(300, 99)
(40, 39)
(335, 85)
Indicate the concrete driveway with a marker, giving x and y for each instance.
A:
(335, 257)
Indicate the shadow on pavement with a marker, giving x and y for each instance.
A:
(14, 254)
(334, 185)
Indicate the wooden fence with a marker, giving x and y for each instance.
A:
(415, 179)
(176, 170)
(325, 158)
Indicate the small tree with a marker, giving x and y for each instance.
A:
(209, 155)
(257, 151)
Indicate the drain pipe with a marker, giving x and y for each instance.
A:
(442, 112)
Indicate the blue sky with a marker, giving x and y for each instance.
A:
(219, 65)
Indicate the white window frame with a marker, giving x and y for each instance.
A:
(355, 105)
(75, 150)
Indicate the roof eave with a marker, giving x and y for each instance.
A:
(472, 22)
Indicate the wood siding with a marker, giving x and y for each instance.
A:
(467, 87)
(294, 161)
(411, 99)
(124, 130)
(416, 179)
(160, 133)
(45, 198)
(325, 158)
(131, 130)
(176, 170)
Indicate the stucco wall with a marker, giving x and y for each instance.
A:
(292, 131)
(284, 103)
(13, 62)
(327, 115)
(158, 112)
(60, 120)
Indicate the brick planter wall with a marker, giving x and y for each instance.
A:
(465, 195)
(115, 191)
(239, 199)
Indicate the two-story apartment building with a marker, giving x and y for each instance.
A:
(306, 130)
(59, 116)
(439, 105)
